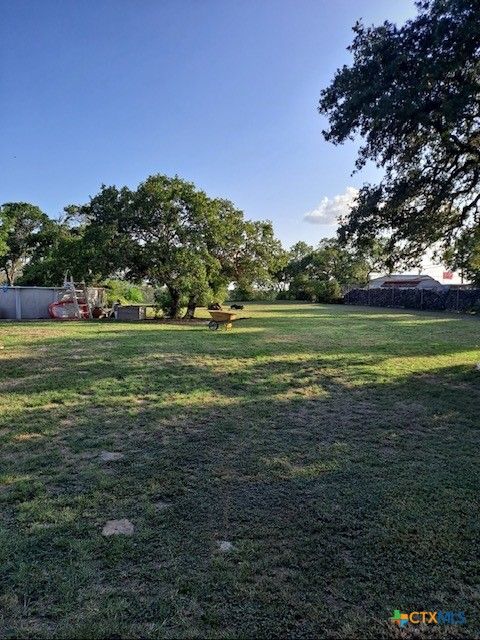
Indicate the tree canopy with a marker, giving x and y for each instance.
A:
(64, 252)
(464, 255)
(413, 94)
(25, 231)
(173, 235)
(319, 274)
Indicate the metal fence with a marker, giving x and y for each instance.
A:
(30, 303)
(463, 300)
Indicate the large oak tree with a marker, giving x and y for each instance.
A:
(173, 235)
(413, 94)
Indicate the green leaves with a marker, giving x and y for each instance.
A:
(24, 231)
(464, 255)
(412, 94)
(319, 274)
(173, 235)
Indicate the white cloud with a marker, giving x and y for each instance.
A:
(330, 209)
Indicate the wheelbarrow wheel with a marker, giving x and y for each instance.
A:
(212, 325)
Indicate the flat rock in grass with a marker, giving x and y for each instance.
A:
(110, 456)
(121, 527)
(478, 366)
(224, 546)
(161, 505)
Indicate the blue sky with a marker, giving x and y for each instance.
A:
(223, 93)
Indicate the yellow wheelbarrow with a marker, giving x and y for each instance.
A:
(225, 318)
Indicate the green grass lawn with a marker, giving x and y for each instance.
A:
(335, 447)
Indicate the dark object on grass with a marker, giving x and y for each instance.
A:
(236, 306)
(215, 306)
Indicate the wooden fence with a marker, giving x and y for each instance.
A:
(463, 300)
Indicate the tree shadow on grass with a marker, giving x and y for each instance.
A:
(107, 356)
(343, 500)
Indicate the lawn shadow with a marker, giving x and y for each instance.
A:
(336, 454)
(323, 481)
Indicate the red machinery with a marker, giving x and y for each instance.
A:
(69, 310)
(72, 304)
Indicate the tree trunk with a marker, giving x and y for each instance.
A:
(192, 305)
(9, 277)
(174, 311)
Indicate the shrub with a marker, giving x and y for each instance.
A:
(327, 291)
(123, 291)
(312, 290)
(162, 299)
(302, 288)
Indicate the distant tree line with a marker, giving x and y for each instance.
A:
(318, 274)
(185, 246)
(166, 233)
(186, 249)
(323, 273)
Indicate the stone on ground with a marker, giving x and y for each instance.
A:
(110, 456)
(224, 546)
(117, 528)
(161, 505)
